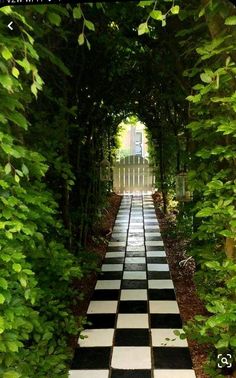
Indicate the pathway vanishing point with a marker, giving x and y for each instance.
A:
(133, 308)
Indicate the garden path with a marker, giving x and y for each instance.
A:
(133, 308)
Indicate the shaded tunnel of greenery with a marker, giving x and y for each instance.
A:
(68, 76)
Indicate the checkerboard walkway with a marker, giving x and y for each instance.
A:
(133, 309)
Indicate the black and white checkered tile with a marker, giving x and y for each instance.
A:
(133, 310)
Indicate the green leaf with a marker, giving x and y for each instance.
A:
(213, 265)
(6, 53)
(230, 20)
(3, 283)
(2, 325)
(34, 89)
(175, 9)
(81, 39)
(77, 14)
(25, 64)
(145, 3)
(15, 72)
(11, 374)
(222, 343)
(205, 78)
(2, 299)
(157, 15)
(19, 120)
(54, 18)
(232, 341)
(7, 168)
(6, 82)
(89, 25)
(16, 267)
(143, 28)
(25, 169)
(23, 281)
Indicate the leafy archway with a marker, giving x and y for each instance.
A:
(67, 79)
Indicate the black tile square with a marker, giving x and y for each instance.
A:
(156, 260)
(161, 294)
(130, 373)
(110, 275)
(133, 307)
(135, 267)
(158, 275)
(115, 249)
(105, 295)
(101, 321)
(172, 358)
(114, 260)
(91, 358)
(135, 254)
(134, 284)
(165, 321)
(155, 247)
(153, 238)
(131, 337)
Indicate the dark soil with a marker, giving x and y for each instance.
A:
(189, 304)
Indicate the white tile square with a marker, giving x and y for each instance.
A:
(156, 254)
(131, 358)
(132, 321)
(164, 307)
(172, 373)
(112, 267)
(114, 254)
(138, 275)
(96, 337)
(139, 248)
(153, 234)
(135, 260)
(88, 373)
(160, 284)
(158, 267)
(156, 243)
(100, 307)
(151, 227)
(133, 295)
(108, 285)
(159, 338)
(117, 244)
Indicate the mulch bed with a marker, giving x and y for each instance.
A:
(189, 304)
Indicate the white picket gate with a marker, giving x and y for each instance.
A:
(133, 174)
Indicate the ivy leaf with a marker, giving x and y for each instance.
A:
(15, 72)
(77, 14)
(205, 78)
(16, 267)
(25, 169)
(54, 18)
(81, 39)
(6, 53)
(230, 20)
(7, 168)
(89, 25)
(175, 9)
(156, 15)
(143, 28)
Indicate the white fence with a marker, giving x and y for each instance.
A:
(133, 174)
